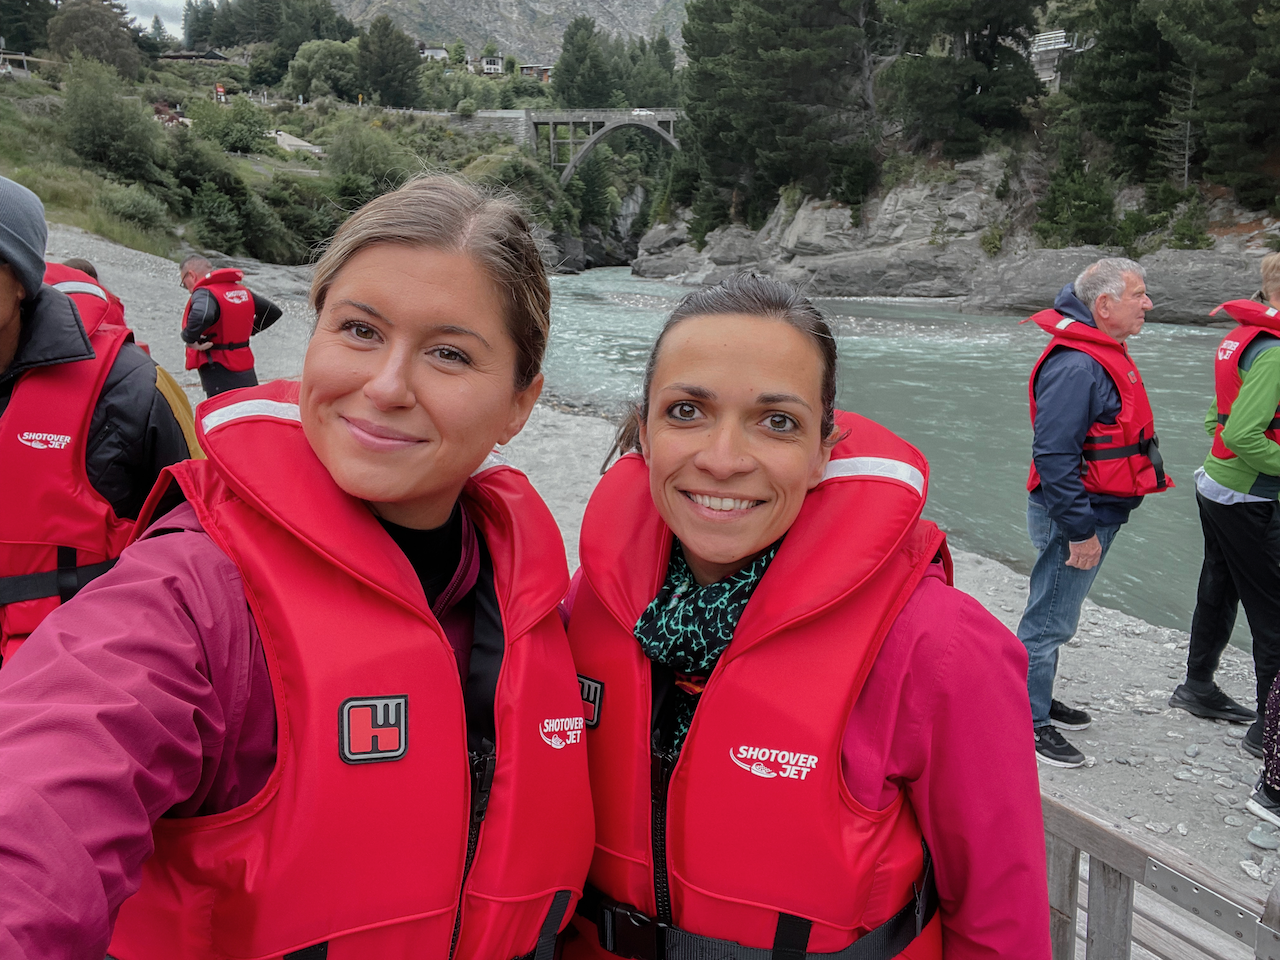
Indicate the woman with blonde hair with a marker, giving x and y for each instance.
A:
(803, 741)
(324, 705)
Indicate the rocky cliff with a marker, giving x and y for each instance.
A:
(530, 30)
(925, 238)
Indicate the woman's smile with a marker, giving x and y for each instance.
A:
(380, 438)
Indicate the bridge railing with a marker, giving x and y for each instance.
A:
(1142, 891)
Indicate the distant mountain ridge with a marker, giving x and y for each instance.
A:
(530, 30)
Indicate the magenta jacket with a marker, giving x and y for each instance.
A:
(148, 696)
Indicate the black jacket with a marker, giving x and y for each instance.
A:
(133, 434)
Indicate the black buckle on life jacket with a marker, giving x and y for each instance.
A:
(626, 932)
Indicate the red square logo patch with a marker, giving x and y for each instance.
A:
(592, 698)
(371, 729)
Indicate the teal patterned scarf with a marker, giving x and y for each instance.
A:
(688, 627)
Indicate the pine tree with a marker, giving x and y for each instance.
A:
(223, 32)
(581, 76)
(24, 23)
(387, 62)
(267, 19)
(1121, 81)
(1174, 134)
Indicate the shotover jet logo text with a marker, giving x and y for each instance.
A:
(44, 441)
(767, 763)
(562, 731)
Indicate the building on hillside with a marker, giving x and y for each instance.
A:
(197, 56)
(537, 71)
(1049, 51)
(434, 52)
(491, 66)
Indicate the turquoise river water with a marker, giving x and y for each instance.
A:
(955, 386)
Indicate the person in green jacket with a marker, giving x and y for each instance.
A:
(1236, 491)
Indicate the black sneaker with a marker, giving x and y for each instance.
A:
(1252, 741)
(1068, 718)
(1211, 706)
(1262, 806)
(1052, 748)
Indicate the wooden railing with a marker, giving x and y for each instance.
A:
(1144, 898)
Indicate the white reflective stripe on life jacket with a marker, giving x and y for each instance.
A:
(1063, 323)
(251, 408)
(875, 467)
(79, 286)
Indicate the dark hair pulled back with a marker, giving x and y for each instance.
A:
(756, 296)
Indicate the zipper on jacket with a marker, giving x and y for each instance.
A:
(483, 764)
(662, 765)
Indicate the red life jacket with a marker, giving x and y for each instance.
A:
(1255, 319)
(56, 531)
(95, 302)
(758, 833)
(370, 857)
(231, 333)
(1122, 458)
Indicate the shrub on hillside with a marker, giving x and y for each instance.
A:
(134, 205)
(365, 151)
(1078, 208)
(216, 220)
(240, 126)
(105, 128)
(466, 107)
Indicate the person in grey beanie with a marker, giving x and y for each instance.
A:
(84, 431)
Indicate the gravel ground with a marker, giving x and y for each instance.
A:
(1185, 779)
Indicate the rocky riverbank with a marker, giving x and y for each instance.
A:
(958, 232)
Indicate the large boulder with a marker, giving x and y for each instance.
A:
(733, 245)
(1184, 284)
(918, 269)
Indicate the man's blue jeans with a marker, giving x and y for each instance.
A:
(1053, 609)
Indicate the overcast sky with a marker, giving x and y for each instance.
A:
(170, 12)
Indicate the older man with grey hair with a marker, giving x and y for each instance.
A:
(1094, 457)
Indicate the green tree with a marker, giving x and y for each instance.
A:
(457, 52)
(238, 127)
(224, 32)
(364, 151)
(267, 19)
(490, 49)
(197, 22)
(969, 74)
(1234, 50)
(387, 63)
(106, 129)
(217, 222)
(1120, 81)
(581, 77)
(98, 29)
(24, 23)
(1078, 208)
(323, 68)
(268, 65)
(591, 186)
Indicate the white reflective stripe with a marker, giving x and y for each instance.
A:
(1271, 312)
(1063, 323)
(79, 286)
(875, 467)
(494, 459)
(251, 408)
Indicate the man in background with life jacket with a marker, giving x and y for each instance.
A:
(1094, 457)
(221, 316)
(84, 432)
(1236, 493)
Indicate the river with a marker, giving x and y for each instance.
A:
(955, 386)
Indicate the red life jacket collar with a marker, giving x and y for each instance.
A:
(225, 275)
(1250, 313)
(626, 567)
(1057, 324)
(328, 520)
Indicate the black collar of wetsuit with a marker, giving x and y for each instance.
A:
(50, 333)
(434, 554)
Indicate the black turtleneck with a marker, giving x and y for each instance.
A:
(433, 554)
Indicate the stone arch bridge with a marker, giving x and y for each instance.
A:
(572, 134)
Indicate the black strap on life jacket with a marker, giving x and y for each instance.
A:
(64, 582)
(230, 346)
(626, 932)
(1273, 425)
(1148, 447)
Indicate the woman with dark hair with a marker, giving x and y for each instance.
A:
(323, 706)
(803, 741)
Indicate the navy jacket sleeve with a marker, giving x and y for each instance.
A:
(202, 315)
(1072, 393)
